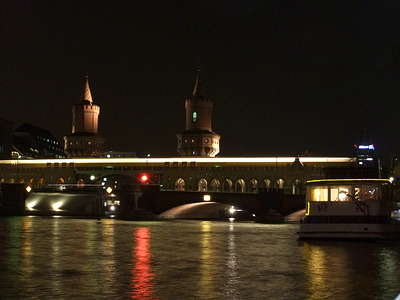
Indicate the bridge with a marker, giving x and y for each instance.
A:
(136, 201)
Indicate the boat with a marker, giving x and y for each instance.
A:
(357, 209)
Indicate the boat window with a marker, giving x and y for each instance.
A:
(319, 193)
(370, 192)
(340, 193)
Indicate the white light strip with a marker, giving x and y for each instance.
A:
(183, 159)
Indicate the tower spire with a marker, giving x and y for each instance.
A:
(199, 91)
(86, 95)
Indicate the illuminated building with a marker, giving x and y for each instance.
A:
(365, 152)
(84, 141)
(30, 141)
(198, 139)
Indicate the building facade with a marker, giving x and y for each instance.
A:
(84, 141)
(30, 141)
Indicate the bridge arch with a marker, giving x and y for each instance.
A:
(296, 187)
(280, 183)
(202, 185)
(227, 185)
(253, 186)
(81, 183)
(180, 184)
(215, 185)
(266, 184)
(240, 186)
(41, 182)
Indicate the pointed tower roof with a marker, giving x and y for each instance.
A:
(199, 91)
(86, 95)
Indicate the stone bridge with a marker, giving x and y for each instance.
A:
(259, 204)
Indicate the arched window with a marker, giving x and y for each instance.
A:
(279, 183)
(253, 186)
(215, 185)
(296, 187)
(227, 186)
(266, 184)
(81, 183)
(41, 182)
(240, 186)
(202, 185)
(180, 184)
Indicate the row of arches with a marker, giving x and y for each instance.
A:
(41, 182)
(203, 185)
(240, 185)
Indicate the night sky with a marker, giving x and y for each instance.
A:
(285, 76)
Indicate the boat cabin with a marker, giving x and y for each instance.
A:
(348, 197)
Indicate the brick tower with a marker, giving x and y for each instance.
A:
(198, 139)
(84, 141)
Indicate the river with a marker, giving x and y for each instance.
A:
(67, 258)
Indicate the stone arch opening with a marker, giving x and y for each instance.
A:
(279, 184)
(41, 182)
(266, 184)
(202, 186)
(180, 184)
(253, 186)
(215, 185)
(81, 183)
(227, 185)
(296, 187)
(240, 186)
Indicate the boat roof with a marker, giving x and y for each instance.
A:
(348, 181)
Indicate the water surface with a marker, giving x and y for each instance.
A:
(64, 258)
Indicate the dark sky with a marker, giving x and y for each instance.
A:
(284, 76)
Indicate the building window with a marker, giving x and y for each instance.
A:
(194, 117)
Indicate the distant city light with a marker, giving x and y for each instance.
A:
(369, 147)
(206, 197)
(92, 177)
(28, 189)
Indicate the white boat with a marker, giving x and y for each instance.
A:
(350, 209)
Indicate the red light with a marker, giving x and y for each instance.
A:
(144, 178)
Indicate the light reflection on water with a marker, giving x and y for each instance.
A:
(47, 258)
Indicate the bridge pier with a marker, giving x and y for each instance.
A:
(12, 202)
(131, 206)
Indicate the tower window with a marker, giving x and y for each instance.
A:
(194, 117)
